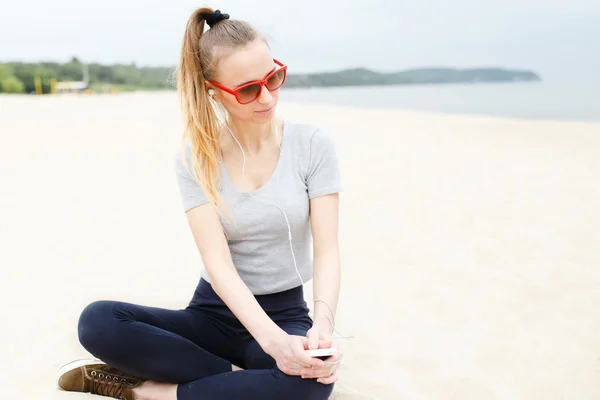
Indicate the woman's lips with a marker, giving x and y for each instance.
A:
(267, 110)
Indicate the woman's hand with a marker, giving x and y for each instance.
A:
(326, 374)
(290, 356)
(319, 337)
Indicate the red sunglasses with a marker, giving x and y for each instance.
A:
(249, 92)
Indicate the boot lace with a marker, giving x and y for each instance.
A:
(109, 385)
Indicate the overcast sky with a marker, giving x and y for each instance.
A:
(555, 38)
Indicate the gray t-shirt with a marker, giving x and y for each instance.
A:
(307, 168)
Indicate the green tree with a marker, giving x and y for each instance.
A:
(5, 71)
(11, 84)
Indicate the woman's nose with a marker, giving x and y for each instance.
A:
(265, 96)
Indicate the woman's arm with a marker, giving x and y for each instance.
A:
(326, 283)
(225, 280)
(211, 242)
(326, 259)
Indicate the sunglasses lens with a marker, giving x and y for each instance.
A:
(248, 93)
(276, 80)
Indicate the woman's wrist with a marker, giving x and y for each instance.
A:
(324, 322)
(271, 339)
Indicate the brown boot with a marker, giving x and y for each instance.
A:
(96, 377)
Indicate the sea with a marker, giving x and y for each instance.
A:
(567, 101)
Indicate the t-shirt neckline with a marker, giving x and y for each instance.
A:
(282, 153)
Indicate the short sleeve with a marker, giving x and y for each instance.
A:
(323, 168)
(192, 194)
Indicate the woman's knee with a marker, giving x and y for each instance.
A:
(305, 389)
(94, 321)
(319, 391)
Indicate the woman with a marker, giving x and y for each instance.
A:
(255, 189)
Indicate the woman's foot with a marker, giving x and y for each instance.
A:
(94, 376)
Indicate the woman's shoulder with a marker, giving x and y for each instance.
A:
(303, 129)
(182, 156)
(315, 152)
(307, 135)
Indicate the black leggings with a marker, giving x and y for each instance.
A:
(195, 347)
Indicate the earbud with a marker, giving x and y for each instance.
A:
(211, 92)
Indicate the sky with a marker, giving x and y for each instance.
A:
(558, 39)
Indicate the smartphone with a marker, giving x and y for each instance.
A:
(322, 354)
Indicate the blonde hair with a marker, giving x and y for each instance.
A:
(198, 63)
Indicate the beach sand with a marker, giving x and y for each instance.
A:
(470, 245)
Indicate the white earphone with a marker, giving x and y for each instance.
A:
(211, 92)
(268, 202)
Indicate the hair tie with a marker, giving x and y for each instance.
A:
(214, 17)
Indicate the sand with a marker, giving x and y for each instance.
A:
(470, 245)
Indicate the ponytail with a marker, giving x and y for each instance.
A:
(197, 65)
(201, 128)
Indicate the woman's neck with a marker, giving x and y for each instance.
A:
(252, 137)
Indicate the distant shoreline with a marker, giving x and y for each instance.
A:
(50, 77)
(316, 99)
(419, 76)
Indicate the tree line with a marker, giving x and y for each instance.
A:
(19, 77)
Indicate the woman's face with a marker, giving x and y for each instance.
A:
(250, 63)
